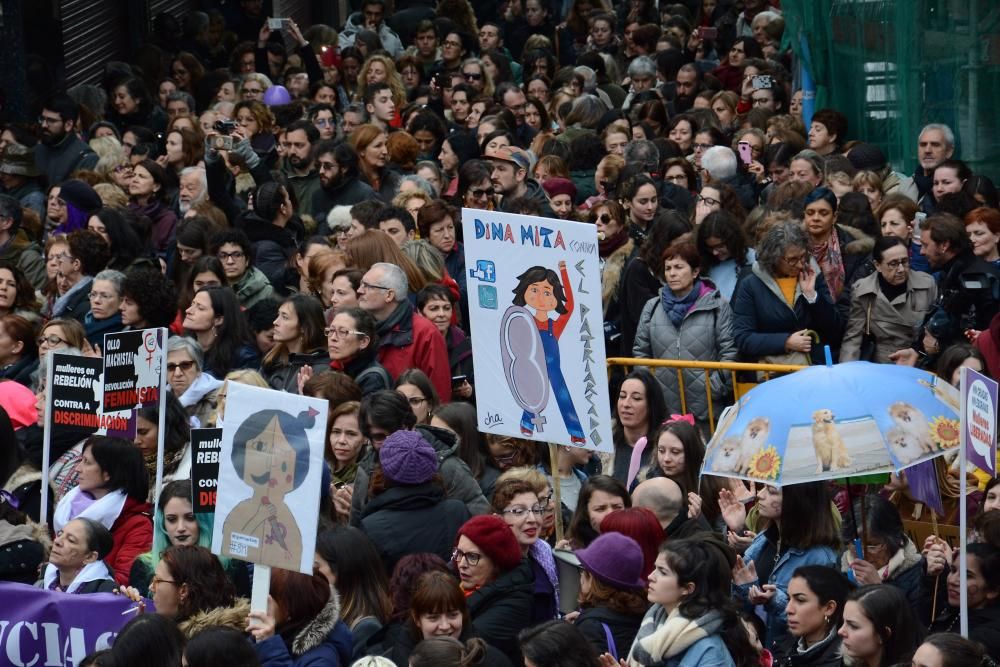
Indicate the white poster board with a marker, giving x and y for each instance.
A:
(270, 472)
(537, 328)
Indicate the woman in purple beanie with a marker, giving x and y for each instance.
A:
(409, 511)
(612, 595)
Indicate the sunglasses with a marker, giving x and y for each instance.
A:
(602, 218)
(472, 76)
(479, 194)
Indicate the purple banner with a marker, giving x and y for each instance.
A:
(39, 627)
(922, 480)
(979, 420)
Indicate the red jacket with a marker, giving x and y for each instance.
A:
(132, 535)
(409, 340)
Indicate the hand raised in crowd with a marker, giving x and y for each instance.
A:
(757, 169)
(342, 499)
(740, 542)
(743, 573)
(295, 33)
(807, 281)
(304, 375)
(937, 554)
(865, 573)
(264, 34)
(261, 624)
(694, 505)
(761, 594)
(608, 660)
(463, 390)
(733, 511)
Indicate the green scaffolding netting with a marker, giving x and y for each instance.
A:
(893, 66)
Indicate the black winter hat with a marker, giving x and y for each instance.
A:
(867, 157)
(80, 195)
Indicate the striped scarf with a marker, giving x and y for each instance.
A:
(662, 636)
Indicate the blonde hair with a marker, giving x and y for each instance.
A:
(111, 195)
(532, 476)
(110, 154)
(242, 376)
(869, 178)
(392, 78)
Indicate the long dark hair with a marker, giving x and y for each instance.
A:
(579, 526)
(655, 402)
(807, 517)
(123, 463)
(694, 451)
(361, 580)
(537, 274)
(207, 583)
(230, 335)
(177, 428)
(894, 620)
(705, 564)
(722, 225)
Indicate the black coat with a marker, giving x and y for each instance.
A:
(284, 377)
(763, 320)
(592, 621)
(502, 608)
(349, 192)
(273, 246)
(825, 654)
(413, 519)
(984, 627)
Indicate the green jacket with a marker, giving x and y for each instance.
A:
(252, 287)
(27, 256)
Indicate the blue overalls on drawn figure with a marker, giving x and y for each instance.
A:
(542, 290)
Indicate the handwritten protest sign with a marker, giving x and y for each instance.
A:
(133, 374)
(537, 328)
(979, 420)
(270, 471)
(206, 445)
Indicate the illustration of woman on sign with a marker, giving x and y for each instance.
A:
(271, 455)
(542, 290)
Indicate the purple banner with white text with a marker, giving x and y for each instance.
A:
(39, 627)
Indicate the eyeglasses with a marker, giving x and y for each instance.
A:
(523, 512)
(51, 340)
(234, 256)
(761, 100)
(367, 285)
(896, 264)
(253, 91)
(341, 333)
(452, 43)
(709, 201)
(184, 366)
(798, 260)
(701, 147)
(156, 580)
(45, 120)
(416, 401)
(471, 557)
(479, 194)
(103, 296)
(472, 76)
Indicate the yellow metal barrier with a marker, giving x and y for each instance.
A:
(739, 388)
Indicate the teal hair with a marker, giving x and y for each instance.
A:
(161, 542)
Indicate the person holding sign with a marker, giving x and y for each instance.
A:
(271, 455)
(112, 490)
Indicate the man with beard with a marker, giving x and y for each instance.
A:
(61, 151)
(688, 85)
(297, 165)
(338, 178)
(192, 190)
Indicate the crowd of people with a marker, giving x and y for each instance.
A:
(286, 201)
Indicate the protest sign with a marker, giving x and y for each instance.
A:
(206, 443)
(270, 472)
(537, 328)
(135, 376)
(979, 421)
(73, 386)
(40, 627)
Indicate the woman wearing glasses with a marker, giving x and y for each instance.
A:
(890, 304)
(353, 346)
(105, 303)
(783, 301)
(409, 510)
(475, 189)
(516, 502)
(420, 393)
(497, 580)
(235, 250)
(59, 334)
